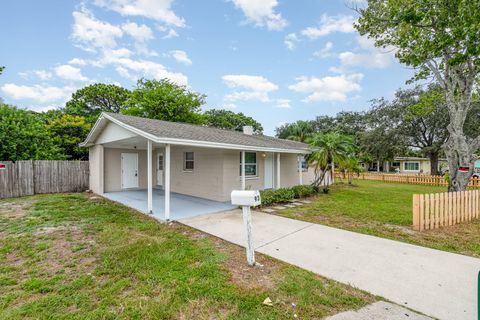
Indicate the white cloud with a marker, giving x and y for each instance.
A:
(330, 88)
(91, 34)
(171, 34)
(37, 93)
(181, 56)
(147, 69)
(325, 52)
(262, 13)
(78, 62)
(68, 72)
(330, 24)
(291, 41)
(230, 106)
(369, 57)
(159, 10)
(248, 87)
(141, 35)
(283, 103)
(40, 74)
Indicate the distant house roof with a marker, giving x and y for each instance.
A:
(415, 159)
(190, 134)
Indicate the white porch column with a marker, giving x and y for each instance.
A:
(243, 170)
(149, 175)
(278, 171)
(300, 170)
(167, 182)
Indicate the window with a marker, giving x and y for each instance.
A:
(188, 163)
(411, 166)
(304, 165)
(396, 164)
(250, 164)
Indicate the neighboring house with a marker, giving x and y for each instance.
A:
(132, 153)
(406, 165)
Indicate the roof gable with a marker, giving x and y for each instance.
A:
(189, 134)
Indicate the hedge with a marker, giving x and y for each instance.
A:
(271, 196)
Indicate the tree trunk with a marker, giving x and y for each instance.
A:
(433, 156)
(459, 155)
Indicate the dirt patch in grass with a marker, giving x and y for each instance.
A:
(202, 309)
(12, 210)
(260, 277)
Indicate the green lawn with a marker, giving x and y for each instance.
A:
(385, 210)
(76, 256)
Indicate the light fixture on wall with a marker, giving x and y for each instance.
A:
(264, 155)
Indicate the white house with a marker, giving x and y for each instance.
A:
(153, 165)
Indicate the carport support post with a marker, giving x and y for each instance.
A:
(278, 171)
(247, 221)
(167, 182)
(149, 175)
(243, 170)
(300, 170)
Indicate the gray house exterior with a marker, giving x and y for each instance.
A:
(133, 153)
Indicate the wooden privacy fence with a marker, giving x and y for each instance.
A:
(432, 211)
(409, 178)
(22, 178)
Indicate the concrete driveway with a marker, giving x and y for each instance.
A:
(439, 284)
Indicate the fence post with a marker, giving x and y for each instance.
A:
(416, 212)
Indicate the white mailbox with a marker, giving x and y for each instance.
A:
(249, 198)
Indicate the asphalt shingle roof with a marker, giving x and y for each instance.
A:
(178, 130)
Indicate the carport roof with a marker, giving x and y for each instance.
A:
(197, 135)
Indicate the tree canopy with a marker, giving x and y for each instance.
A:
(165, 100)
(439, 39)
(23, 135)
(93, 99)
(226, 119)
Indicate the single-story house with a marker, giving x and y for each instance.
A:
(407, 165)
(152, 165)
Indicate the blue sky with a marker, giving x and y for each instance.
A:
(275, 60)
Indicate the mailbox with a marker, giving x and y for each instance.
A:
(246, 198)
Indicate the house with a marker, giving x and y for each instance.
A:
(174, 169)
(407, 165)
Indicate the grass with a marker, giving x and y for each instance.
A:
(77, 256)
(385, 210)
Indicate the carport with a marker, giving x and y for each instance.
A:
(182, 206)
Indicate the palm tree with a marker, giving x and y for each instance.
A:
(349, 166)
(328, 148)
(300, 131)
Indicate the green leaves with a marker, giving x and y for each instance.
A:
(226, 119)
(165, 100)
(23, 136)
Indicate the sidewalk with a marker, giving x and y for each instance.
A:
(437, 283)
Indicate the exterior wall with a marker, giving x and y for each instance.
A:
(216, 172)
(289, 176)
(424, 167)
(96, 161)
(231, 174)
(113, 168)
(206, 179)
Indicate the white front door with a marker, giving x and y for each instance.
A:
(129, 170)
(160, 169)
(268, 169)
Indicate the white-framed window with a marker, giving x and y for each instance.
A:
(396, 164)
(250, 164)
(304, 165)
(188, 161)
(411, 166)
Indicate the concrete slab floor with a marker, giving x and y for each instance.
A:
(439, 284)
(380, 310)
(181, 206)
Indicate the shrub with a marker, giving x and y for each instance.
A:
(285, 194)
(301, 191)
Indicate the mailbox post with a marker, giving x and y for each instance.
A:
(247, 199)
